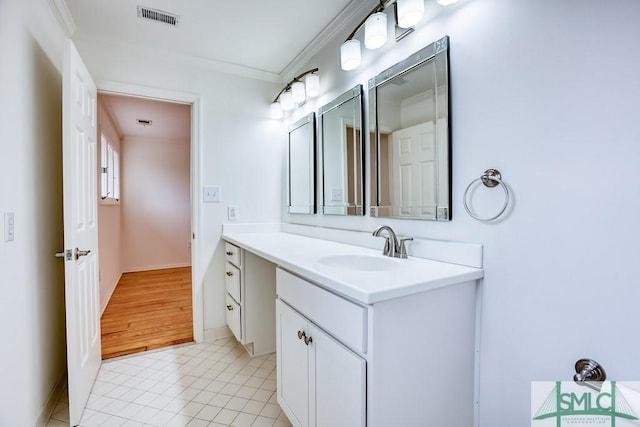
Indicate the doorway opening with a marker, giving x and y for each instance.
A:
(145, 223)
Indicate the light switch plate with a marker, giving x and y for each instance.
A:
(233, 213)
(211, 194)
(9, 226)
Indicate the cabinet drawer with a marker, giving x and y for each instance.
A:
(232, 253)
(232, 280)
(233, 317)
(343, 319)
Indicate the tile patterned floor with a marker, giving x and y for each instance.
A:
(208, 384)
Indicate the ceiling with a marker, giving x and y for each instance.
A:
(170, 121)
(258, 35)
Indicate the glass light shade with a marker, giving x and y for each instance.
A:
(446, 2)
(350, 55)
(276, 111)
(410, 12)
(313, 85)
(375, 30)
(298, 93)
(286, 99)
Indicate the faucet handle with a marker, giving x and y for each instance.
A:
(402, 249)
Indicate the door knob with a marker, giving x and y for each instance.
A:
(80, 253)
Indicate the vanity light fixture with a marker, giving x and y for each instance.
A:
(296, 92)
(408, 14)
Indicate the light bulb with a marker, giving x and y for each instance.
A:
(410, 12)
(350, 55)
(375, 30)
(298, 92)
(313, 85)
(286, 99)
(276, 111)
(446, 2)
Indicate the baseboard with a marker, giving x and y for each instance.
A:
(156, 267)
(52, 401)
(113, 289)
(213, 334)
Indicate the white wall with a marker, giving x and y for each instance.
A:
(242, 149)
(109, 219)
(31, 279)
(547, 92)
(156, 207)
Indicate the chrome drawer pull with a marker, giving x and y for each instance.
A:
(229, 273)
(230, 307)
(229, 253)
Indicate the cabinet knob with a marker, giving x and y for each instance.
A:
(308, 340)
(230, 307)
(301, 334)
(229, 273)
(229, 253)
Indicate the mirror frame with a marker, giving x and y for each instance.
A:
(309, 121)
(356, 91)
(439, 47)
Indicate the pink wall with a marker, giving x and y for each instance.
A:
(156, 206)
(109, 219)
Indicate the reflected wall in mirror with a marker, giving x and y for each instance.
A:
(410, 137)
(342, 154)
(302, 148)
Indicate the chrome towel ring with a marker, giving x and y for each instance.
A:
(490, 178)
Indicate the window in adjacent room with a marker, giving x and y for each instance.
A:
(110, 171)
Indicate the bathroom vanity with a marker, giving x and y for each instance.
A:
(367, 340)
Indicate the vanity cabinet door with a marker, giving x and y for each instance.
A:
(340, 382)
(292, 365)
(321, 383)
(233, 317)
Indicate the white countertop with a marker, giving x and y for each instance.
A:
(300, 255)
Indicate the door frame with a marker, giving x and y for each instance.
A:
(194, 99)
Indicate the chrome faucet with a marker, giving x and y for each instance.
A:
(393, 246)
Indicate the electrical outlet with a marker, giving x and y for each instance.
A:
(233, 213)
(9, 227)
(211, 194)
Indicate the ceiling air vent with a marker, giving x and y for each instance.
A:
(145, 122)
(158, 15)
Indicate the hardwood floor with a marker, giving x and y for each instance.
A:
(148, 310)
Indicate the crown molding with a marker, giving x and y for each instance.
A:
(342, 23)
(63, 15)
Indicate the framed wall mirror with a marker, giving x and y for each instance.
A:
(411, 137)
(341, 140)
(302, 160)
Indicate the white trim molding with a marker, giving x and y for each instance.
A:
(63, 15)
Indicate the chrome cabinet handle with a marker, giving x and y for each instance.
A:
(230, 307)
(229, 253)
(80, 253)
(229, 273)
(303, 336)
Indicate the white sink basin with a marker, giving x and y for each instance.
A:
(360, 262)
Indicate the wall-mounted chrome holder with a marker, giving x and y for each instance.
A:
(589, 373)
(490, 179)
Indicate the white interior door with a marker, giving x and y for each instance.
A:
(414, 171)
(80, 230)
